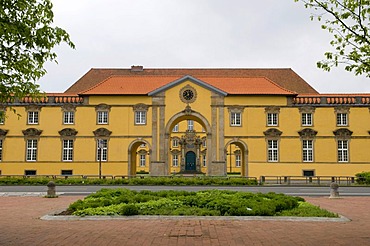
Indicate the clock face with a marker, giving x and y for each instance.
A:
(188, 94)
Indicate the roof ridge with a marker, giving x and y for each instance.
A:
(96, 85)
(277, 85)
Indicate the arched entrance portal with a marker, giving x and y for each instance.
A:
(138, 156)
(237, 157)
(190, 161)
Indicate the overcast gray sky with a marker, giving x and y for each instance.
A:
(193, 34)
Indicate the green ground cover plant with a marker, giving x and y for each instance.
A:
(171, 180)
(126, 202)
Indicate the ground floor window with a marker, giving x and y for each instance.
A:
(307, 150)
(238, 160)
(175, 160)
(102, 150)
(67, 172)
(31, 153)
(30, 172)
(142, 160)
(343, 151)
(68, 150)
(273, 150)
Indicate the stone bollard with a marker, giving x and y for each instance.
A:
(334, 193)
(51, 189)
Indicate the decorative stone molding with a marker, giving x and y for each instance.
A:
(33, 107)
(102, 132)
(140, 107)
(102, 107)
(307, 109)
(273, 133)
(142, 152)
(272, 109)
(343, 133)
(188, 110)
(3, 132)
(235, 109)
(175, 152)
(32, 132)
(341, 110)
(68, 107)
(307, 133)
(68, 132)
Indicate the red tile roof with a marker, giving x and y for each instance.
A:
(132, 85)
(284, 77)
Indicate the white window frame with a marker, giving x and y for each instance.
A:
(342, 119)
(68, 117)
(33, 117)
(273, 150)
(1, 150)
(140, 117)
(68, 145)
(307, 150)
(343, 153)
(142, 160)
(175, 142)
(104, 154)
(176, 128)
(238, 160)
(102, 117)
(175, 160)
(31, 149)
(190, 125)
(272, 119)
(306, 119)
(235, 119)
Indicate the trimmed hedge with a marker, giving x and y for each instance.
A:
(363, 178)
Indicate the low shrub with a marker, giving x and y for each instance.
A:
(363, 178)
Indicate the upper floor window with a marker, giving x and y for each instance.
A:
(176, 128)
(33, 117)
(306, 119)
(235, 119)
(272, 116)
(175, 142)
(272, 119)
(68, 117)
(140, 110)
(140, 117)
(102, 117)
(342, 119)
(190, 125)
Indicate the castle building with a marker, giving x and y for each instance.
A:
(256, 122)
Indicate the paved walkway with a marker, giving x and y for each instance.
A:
(20, 224)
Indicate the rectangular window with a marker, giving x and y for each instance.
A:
(175, 142)
(190, 125)
(176, 128)
(238, 160)
(272, 119)
(204, 143)
(2, 117)
(342, 119)
(306, 119)
(307, 150)
(33, 117)
(102, 150)
(142, 160)
(68, 117)
(140, 117)
(308, 173)
(1, 149)
(29, 172)
(235, 119)
(273, 150)
(66, 172)
(204, 160)
(342, 151)
(175, 160)
(68, 150)
(31, 150)
(102, 117)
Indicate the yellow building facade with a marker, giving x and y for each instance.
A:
(256, 122)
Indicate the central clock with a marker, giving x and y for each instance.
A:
(188, 94)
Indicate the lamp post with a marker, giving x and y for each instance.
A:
(100, 147)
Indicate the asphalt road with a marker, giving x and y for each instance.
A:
(289, 190)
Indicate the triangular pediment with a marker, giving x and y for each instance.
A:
(191, 79)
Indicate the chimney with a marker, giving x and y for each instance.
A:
(137, 68)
